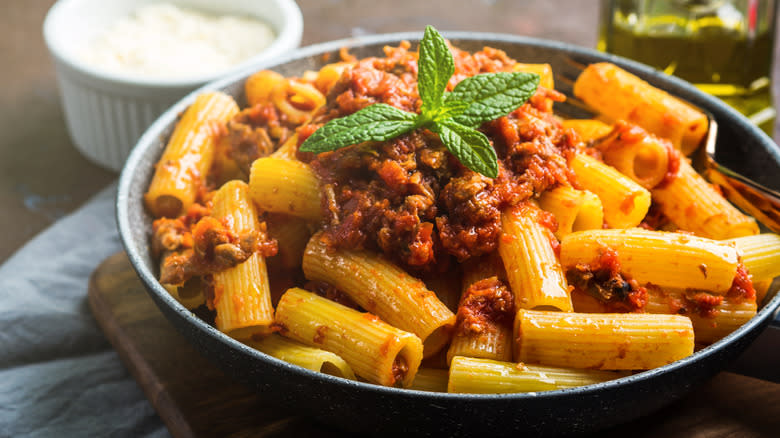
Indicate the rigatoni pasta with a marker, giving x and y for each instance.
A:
(485, 376)
(620, 95)
(694, 205)
(311, 358)
(690, 261)
(636, 154)
(382, 253)
(602, 341)
(760, 254)
(382, 288)
(712, 317)
(285, 186)
(242, 295)
(574, 210)
(589, 130)
(532, 269)
(625, 202)
(375, 350)
(188, 155)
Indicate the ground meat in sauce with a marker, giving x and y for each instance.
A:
(409, 198)
(603, 280)
(742, 287)
(702, 303)
(256, 132)
(399, 370)
(692, 302)
(705, 304)
(198, 245)
(484, 306)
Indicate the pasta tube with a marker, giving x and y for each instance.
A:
(485, 376)
(285, 186)
(485, 313)
(574, 210)
(708, 327)
(484, 324)
(242, 296)
(602, 341)
(625, 203)
(695, 206)
(188, 156)
(431, 380)
(620, 95)
(292, 234)
(544, 71)
(296, 100)
(304, 356)
(761, 288)
(381, 288)
(586, 303)
(638, 155)
(189, 294)
(532, 268)
(258, 86)
(375, 350)
(761, 255)
(664, 259)
(588, 130)
(329, 74)
(545, 77)
(481, 268)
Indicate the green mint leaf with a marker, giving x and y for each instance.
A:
(434, 69)
(490, 96)
(469, 146)
(378, 122)
(449, 109)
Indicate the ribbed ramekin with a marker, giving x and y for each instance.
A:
(106, 112)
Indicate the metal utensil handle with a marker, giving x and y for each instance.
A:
(760, 202)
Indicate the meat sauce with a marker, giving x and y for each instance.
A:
(604, 281)
(408, 197)
(256, 132)
(197, 244)
(399, 370)
(485, 305)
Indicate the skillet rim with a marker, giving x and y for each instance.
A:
(146, 143)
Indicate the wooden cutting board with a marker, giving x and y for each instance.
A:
(195, 399)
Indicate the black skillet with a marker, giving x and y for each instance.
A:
(366, 408)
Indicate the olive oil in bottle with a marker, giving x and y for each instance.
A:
(724, 47)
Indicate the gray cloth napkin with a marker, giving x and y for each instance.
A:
(59, 376)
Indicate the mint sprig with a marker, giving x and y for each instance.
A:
(454, 116)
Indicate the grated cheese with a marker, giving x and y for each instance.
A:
(165, 41)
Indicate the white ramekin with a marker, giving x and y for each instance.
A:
(106, 112)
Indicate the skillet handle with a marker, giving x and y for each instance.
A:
(762, 359)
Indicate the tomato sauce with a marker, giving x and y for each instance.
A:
(197, 244)
(408, 197)
(603, 280)
(485, 305)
